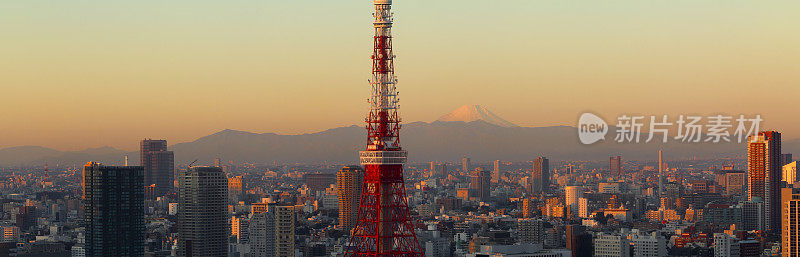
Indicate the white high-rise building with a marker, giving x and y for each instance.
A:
(573, 193)
(608, 245)
(725, 245)
(583, 207)
(262, 234)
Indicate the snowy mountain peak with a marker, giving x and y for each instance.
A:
(469, 113)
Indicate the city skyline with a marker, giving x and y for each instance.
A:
(162, 65)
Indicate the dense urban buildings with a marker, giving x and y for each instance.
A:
(159, 165)
(202, 212)
(113, 210)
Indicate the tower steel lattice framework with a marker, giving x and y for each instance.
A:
(384, 227)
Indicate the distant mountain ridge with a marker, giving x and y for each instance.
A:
(439, 140)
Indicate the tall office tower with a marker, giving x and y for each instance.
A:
(434, 167)
(348, 187)
(578, 241)
(262, 233)
(531, 231)
(443, 170)
(540, 178)
(384, 225)
(615, 166)
(496, 172)
(26, 217)
(114, 210)
(158, 163)
(235, 188)
(786, 158)
(466, 165)
(790, 237)
(572, 194)
(203, 213)
(790, 173)
(480, 186)
(284, 231)
(660, 174)
(764, 175)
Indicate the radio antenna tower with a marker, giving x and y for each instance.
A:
(384, 228)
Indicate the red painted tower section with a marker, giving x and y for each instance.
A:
(384, 227)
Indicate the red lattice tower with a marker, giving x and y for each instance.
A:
(384, 227)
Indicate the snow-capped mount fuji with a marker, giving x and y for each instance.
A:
(470, 113)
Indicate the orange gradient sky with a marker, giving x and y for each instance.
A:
(78, 74)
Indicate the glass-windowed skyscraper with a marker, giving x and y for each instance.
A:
(203, 213)
(159, 165)
(114, 210)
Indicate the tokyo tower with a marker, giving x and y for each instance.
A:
(384, 227)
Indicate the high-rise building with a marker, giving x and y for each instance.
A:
(790, 173)
(284, 230)
(158, 163)
(113, 210)
(480, 185)
(578, 241)
(466, 165)
(235, 188)
(203, 213)
(349, 182)
(646, 244)
(240, 229)
(26, 217)
(786, 158)
(496, 172)
(615, 166)
(531, 231)
(736, 182)
(540, 178)
(583, 207)
(790, 235)
(764, 175)
(660, 174)
(725, 245)
(572, 194)
(262, 233)
(443, 173)
(319, 181)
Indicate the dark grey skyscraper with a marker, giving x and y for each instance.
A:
(540, 177)
(203, 213)
(114, 210)
(159, 165)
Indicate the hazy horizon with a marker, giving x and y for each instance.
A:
(83, 74)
